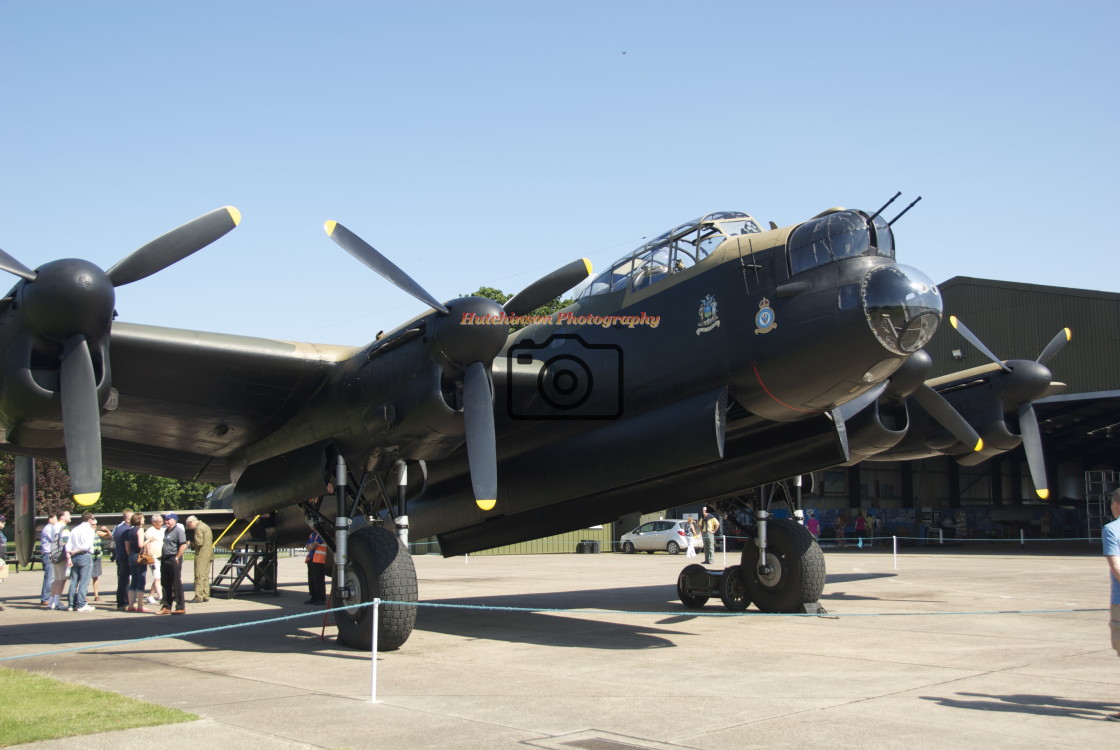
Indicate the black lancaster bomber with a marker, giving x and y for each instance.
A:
(718, 357)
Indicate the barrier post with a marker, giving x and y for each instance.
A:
(1022, 538)
(724, 538)
(894, 555)
(373, 668)
(941, 536)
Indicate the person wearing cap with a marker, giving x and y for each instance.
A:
(203, 545)
(171, 566)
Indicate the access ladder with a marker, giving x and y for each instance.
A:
(253, 562)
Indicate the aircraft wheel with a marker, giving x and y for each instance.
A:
(628, 548)
(797, 568)
(673, 548)
(380, 568)
(733, 590)
(692, 576)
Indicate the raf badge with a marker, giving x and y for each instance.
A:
(765, 318)
(709, 315)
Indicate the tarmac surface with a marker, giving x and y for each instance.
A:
(954, 648)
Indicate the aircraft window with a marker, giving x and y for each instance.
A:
(652, 267)
(842, 234)
(680, 247)
(743, 226)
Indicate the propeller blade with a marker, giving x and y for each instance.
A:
(174, 246)
(948, 417)
(478, 416)
(81, 420)
(13, 266)
(548, 288)
(362, 250)
(1032, 445)
(971, 337)
(1056, 344)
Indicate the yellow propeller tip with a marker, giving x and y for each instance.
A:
(979, 445)
(486, 504)
(87, 498)
(329, 226)
(1069, 333)
(1044, 494)
(234, 214)
(587, 265)
(953, 320)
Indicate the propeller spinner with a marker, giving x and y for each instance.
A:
(470, 350)
(70, 303)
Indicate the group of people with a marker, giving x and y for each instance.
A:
(74, 555)
(706, 528)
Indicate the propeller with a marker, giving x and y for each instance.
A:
(469, 349)
(70, 304)
(1022, 381)
(909, 380)
(364, 252)
(548, 288)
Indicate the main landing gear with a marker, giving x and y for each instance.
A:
(380, 568)
(370, 563)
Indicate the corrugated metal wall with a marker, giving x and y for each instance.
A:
(1016, 321)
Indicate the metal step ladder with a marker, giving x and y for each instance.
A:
(254, 563)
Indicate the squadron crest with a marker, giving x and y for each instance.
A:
(765, 318)
(709, 315)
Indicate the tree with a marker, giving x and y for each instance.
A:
(501, 298)
(119, 490)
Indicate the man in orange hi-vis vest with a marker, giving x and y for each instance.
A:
(316, 569)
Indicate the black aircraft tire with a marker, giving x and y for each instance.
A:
(380, 568)
(733, 590)
(693, 601)
(798, 564)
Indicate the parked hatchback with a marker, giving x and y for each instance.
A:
(669, 535)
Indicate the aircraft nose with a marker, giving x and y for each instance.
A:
(903, 307)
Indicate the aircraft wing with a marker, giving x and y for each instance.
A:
(189, 399)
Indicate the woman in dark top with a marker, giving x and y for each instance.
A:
(133, 543)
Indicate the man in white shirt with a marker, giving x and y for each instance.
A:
(79, 550)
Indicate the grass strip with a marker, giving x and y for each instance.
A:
(36, 707)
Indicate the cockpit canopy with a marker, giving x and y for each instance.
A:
(673, 251)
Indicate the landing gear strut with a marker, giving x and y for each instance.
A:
(371, 563)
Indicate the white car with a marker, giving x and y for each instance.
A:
(670, 535)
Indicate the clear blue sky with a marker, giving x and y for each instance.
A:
(486, 143)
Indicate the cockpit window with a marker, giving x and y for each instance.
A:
(841, 234)
(672, 251)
